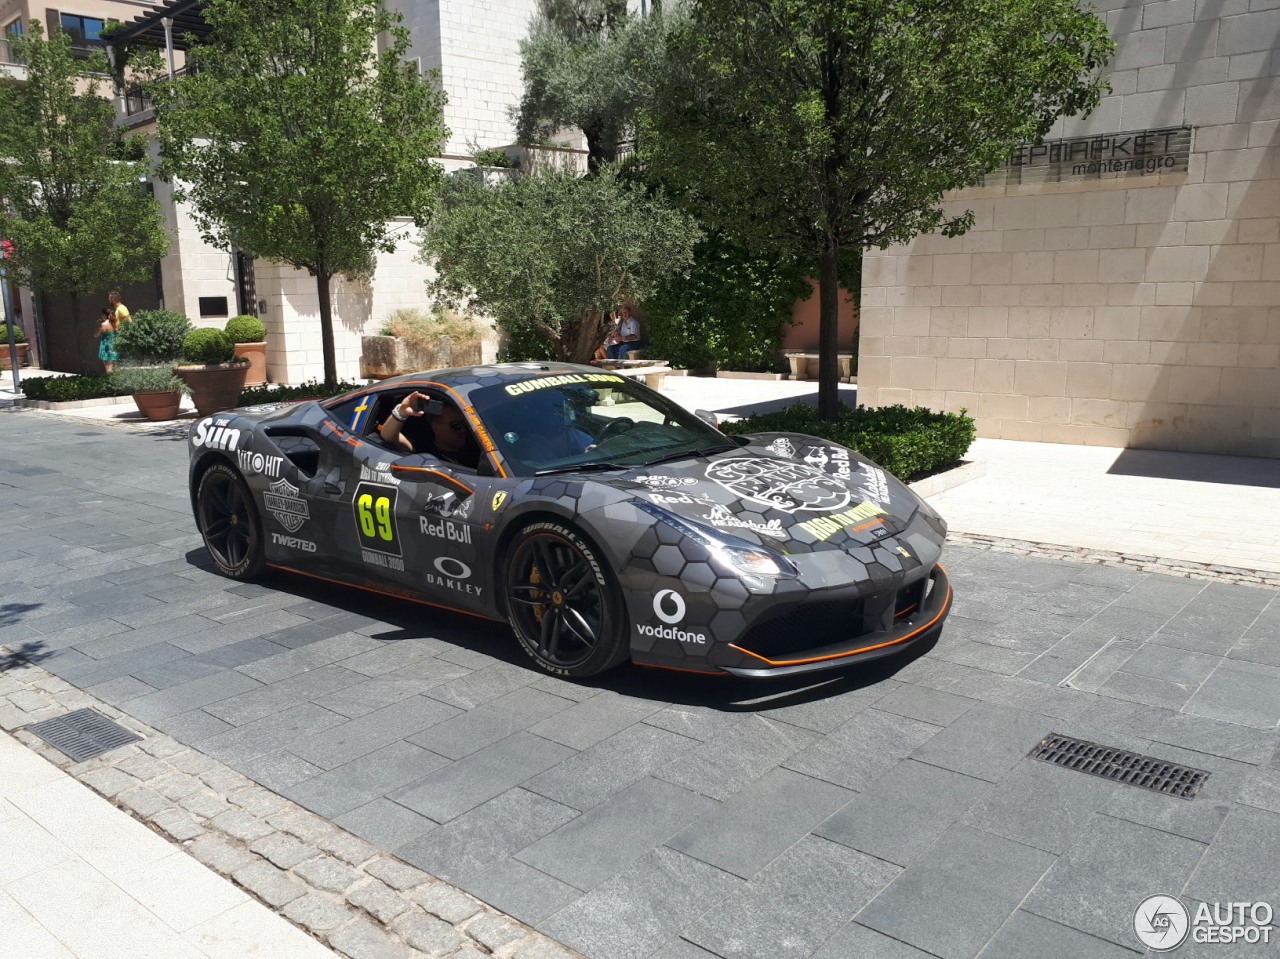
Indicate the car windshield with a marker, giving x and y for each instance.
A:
(571, 421)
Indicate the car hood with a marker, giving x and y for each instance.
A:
(788, 491)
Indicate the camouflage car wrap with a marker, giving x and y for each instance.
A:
(851, 555)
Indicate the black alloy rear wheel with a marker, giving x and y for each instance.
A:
(229, 523)
(563, 603)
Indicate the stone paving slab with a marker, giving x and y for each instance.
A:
(430, 738)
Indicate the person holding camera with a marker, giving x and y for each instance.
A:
(448, 437)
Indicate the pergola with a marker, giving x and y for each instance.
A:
(173, 25)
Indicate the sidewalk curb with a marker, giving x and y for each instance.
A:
(950, 479)
(1187, 569)
(346, 893)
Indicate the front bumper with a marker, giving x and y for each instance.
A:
(911, 626)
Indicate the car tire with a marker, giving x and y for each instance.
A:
(229, 523)
(563, 603)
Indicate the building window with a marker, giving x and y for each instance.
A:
(13, 28)
(85, 32)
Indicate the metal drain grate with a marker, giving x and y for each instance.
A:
(1120, 765)
(83, 734)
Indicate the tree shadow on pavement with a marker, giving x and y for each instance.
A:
(17, 657)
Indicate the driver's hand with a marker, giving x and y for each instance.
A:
(409, 405)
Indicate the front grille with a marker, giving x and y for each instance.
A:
(802, 626)
(1120, 765)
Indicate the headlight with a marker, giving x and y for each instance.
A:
(732, 554)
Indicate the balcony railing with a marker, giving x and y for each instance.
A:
(6, 52)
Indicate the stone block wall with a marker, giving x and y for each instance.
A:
(1138, 311)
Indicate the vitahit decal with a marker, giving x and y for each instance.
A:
(214, 434)
(251, 462)
(283, 503)
(790, 487)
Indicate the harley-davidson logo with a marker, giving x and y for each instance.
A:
(789, 487)
(284, 504)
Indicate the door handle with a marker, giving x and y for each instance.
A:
(333, 488)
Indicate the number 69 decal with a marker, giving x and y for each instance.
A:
(375, 510)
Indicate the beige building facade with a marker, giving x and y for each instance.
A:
(1125, 289)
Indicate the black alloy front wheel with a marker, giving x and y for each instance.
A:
(229, 523)
(562, 602)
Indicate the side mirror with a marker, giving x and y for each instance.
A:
(709, 418)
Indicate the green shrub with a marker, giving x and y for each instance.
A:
(310, 390)
(147, 379)
(246, 329)
(18, 335)
(494, 158)
(909, 443)
(208, 346)
(728, 311)
(62, 389)
(153, 337)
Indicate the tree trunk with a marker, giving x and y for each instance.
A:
(326, 331)
(598, 152)
(581, 345)
(828, 334)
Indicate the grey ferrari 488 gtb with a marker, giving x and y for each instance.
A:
(599, 519)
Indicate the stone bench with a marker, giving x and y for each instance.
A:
(804, 366)
(653, 372)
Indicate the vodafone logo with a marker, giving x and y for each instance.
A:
(668, 606)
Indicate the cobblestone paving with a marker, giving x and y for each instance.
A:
(890, 811)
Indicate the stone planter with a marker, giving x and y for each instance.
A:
(5, 363)
(214, 388)
(256, 354)
(159, 406)
(383, 356)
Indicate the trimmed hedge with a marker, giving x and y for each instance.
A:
(18, 335)
(208, 346)
(246, 329)
(909, 443)
(62, 389)
(310, 390)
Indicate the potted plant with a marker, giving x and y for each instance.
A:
(250, 338)
(155, 389)
(149, 345)
(20, 339)
(152, 338)
(212, 371)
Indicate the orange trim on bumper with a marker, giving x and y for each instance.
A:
(946, 605)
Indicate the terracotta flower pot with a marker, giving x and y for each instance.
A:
(214, 388)
(256, 354)
(159, 406)
(5, 363)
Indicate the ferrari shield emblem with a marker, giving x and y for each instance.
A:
(789, 487)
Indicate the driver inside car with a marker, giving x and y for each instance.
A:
(541, 427)
(420, 424)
